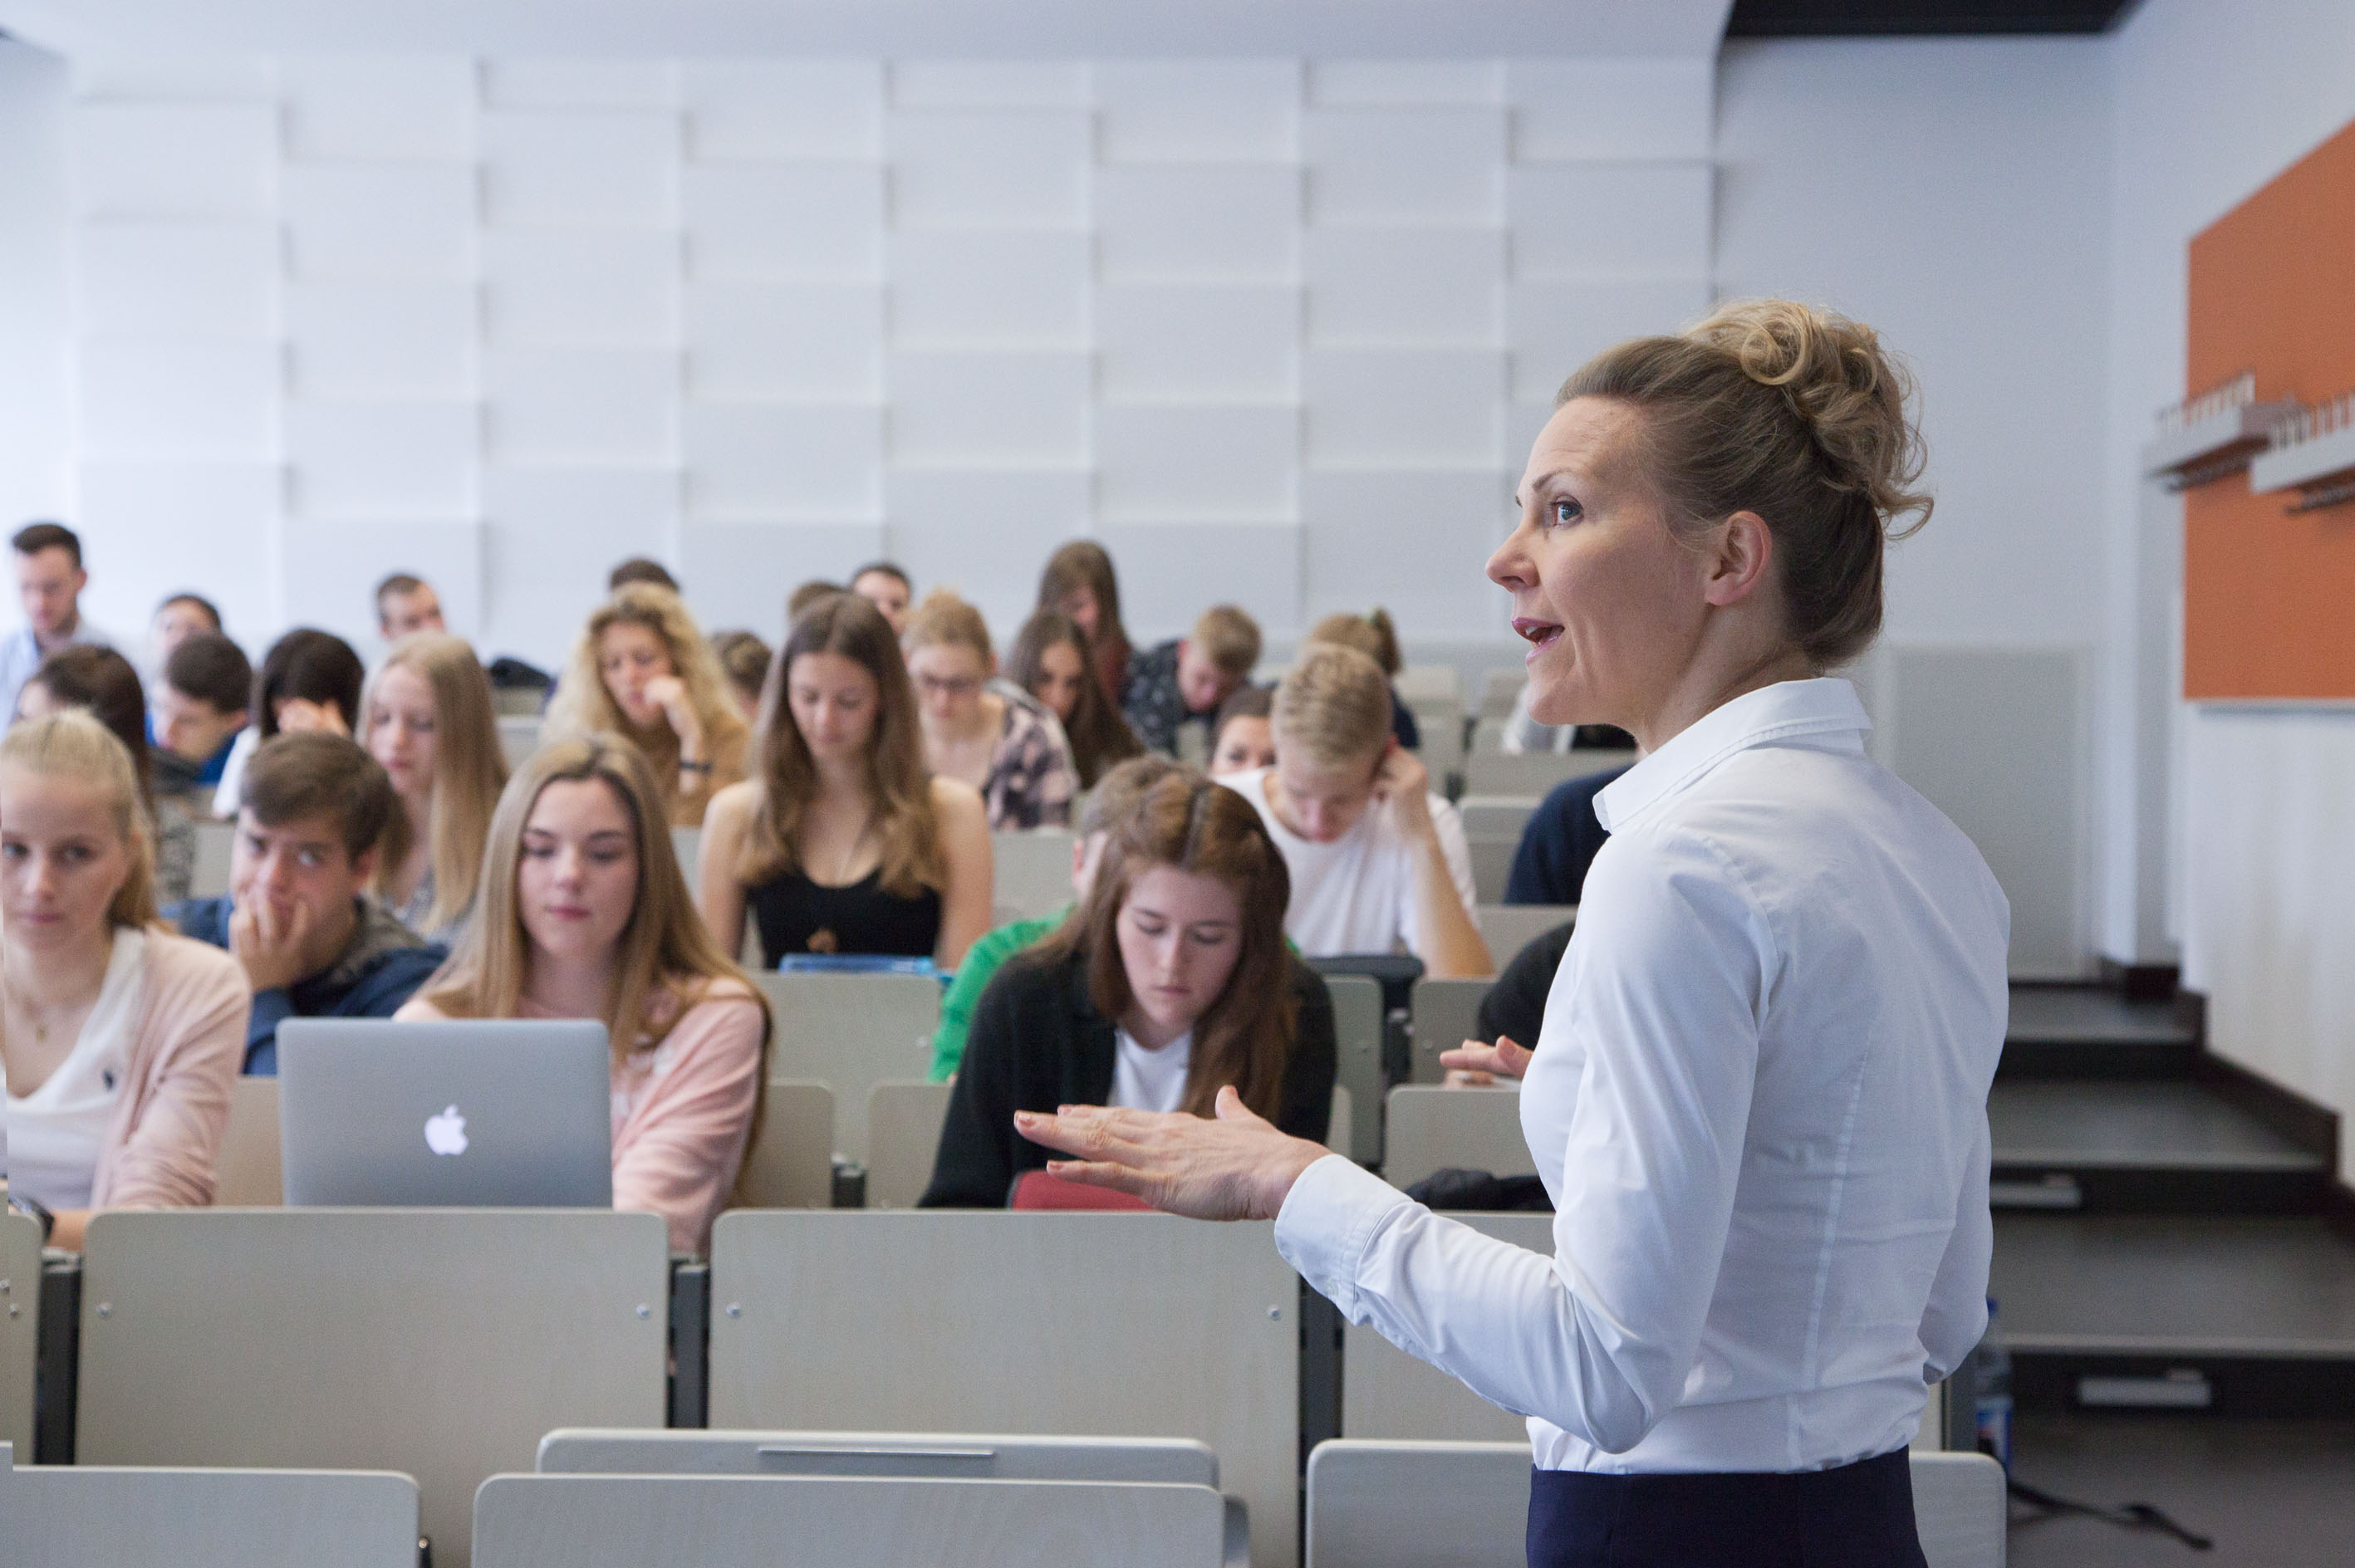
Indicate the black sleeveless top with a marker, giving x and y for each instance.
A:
(797, 916)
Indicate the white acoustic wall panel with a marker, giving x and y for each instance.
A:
(1610, 220)
(1172, 572)
(154, 528)
(329, 570)
(585, 166)
(784, 220)
(365, 109)
(984, 532)
(581, 405)
(173, 160)
(1554, 328)
(176, 79)
(353, 221)
(1185, 342)
(1403, 286)
(553, 533)
(1399, 83)
(1404, 408)
(389, 339)
(1195, 112)
(1254, 323)
(177, 279)
(1436, 532)
(989, 84)
(988, 409)
(990, 168)
(1188, 463)
(197, 398)
(763, 110)
(1567, 110)
(1211, 223)
(381, 459)
(617, 286)
(1007, 288)
(1405, 165)
(783, 460)
(807, 341)
(580, 84)
(740, 574)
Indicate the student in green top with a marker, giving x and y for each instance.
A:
(1114, 796)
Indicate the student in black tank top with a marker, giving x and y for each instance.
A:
(841, 842)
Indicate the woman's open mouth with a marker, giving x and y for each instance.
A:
(1539, 633)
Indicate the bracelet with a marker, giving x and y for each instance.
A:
(687, 767)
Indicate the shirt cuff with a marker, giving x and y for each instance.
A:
(1329, 1220)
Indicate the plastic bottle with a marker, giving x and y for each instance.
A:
(1991, 1379)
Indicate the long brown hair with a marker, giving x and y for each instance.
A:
(102, 683)
(1193, 824)
(1084, 564)
(1100, 737)
(666, 961)
(583, 706)
(469, 768)
(74, 744)
(900, 786)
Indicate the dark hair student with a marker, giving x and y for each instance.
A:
(1170, 983)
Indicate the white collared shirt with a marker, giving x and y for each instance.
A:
(1759, 1103)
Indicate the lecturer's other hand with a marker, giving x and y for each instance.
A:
(1473, 1065)
(1237, 1166)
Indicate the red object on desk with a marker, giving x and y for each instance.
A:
(1043, 1189)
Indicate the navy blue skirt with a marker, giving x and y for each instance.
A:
(1857, 1516)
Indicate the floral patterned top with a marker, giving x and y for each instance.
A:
(1032, 779)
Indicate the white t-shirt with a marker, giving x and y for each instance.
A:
(55, 1132)
(1356, 894)
(1151, 1080)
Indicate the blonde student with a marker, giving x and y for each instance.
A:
(427, 719)
(120, 1039)
(989, 733)
(1379, 863)
(581, 912)
(642, 670)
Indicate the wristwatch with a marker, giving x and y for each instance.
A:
(32, 1207)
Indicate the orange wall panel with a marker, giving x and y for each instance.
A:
(2269, 595)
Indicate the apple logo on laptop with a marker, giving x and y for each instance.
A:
(446, 1133)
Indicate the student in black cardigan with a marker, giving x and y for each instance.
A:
(1171, 980)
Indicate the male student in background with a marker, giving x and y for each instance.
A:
(297, 916)
(1184, 680)
(49, 580)
(405, 604)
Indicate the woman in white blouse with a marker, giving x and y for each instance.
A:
(1758, 1100)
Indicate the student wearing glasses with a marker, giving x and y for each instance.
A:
(989, 733)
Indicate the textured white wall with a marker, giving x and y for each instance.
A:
(503, 324)
(32, 339)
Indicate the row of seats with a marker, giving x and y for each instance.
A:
(723, 1499)
(442, 1344)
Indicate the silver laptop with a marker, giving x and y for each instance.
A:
(492, 1113)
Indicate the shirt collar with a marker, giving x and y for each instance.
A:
(1824, 711)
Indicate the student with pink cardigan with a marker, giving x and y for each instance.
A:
(581, 913)
(120, 1039)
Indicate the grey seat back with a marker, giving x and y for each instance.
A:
(800, 1521)
(903, 1134)
(913, 1456)
(1431, 1128)
(1089, 1324)
(1446, 1014)
(1509, 928)
(130, 1517)
(1358, 1049)
(791, 1162)
(440, 1343)
(1032, 873)
(1418, 1505)
(20, 1325)
(850, 1033)
(247, 1172)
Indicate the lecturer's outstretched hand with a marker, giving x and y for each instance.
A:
(1235, 1167)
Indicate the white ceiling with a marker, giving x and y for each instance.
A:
(896, 28)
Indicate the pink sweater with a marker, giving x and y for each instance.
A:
(185, 1047)
(682, 1111)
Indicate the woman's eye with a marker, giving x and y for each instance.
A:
(1566, 510)
(604, 857)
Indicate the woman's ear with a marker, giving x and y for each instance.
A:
(1742, 556)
